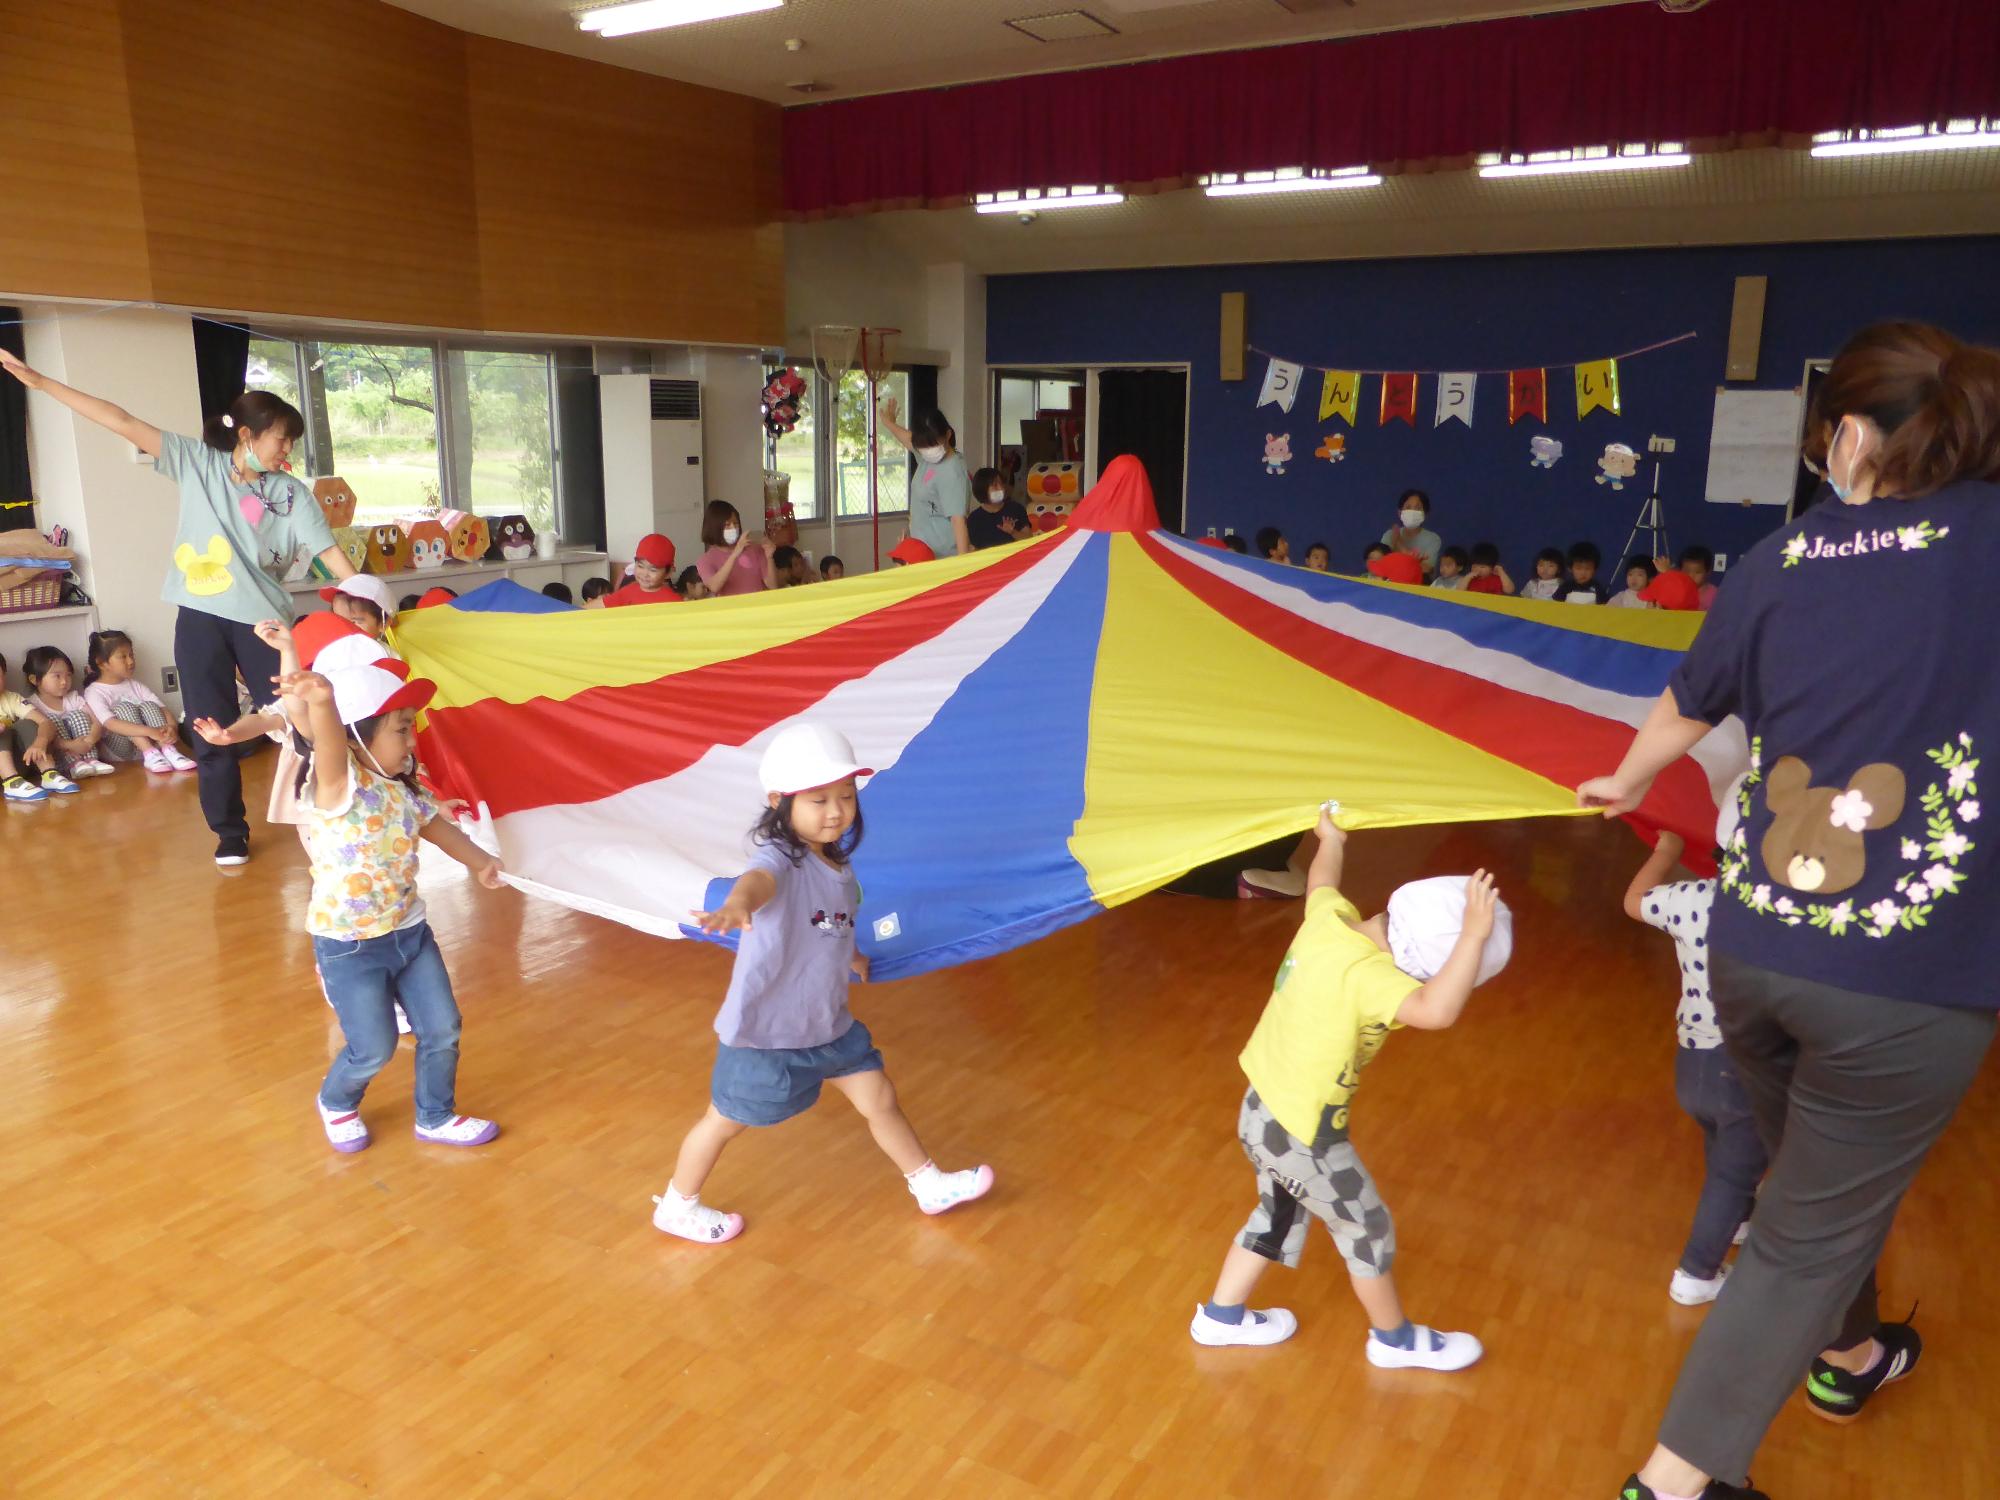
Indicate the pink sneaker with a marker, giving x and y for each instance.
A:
(344, 1130)
(937, 1191)
(688, 1218)
(459, 1130)
(155, 760)
(177, 761)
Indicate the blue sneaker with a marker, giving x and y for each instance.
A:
(20, 789)
(54, 781)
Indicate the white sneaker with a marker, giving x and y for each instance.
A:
(1742, 1233)
(1271, 1325)
(937, 1191)
(20, 789)
(155, 760)
(1433, 1351)
(688, 1218)
(90, 765)
(344, 1130)
(459, 1130)
(176, 760)
(1692, 1291)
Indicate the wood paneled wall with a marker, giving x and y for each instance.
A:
(347, 159)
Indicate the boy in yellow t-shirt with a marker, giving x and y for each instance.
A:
(15, 710)
(1345, 984)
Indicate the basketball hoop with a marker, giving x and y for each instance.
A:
(878, 353)
(878, 363)
(833, 347)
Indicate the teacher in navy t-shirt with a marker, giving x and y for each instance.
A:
(1856, 931)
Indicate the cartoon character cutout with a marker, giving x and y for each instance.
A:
(1048, 515)
(832, 922)
(513, 539)
(206, 574)
(1277, 451)
(466, 536)
(388, 549)
(336, 502)
(1618, 464)
(1815, 841)
(1058, 484)
(429, 546)
(1333, 448)
(1545, 452)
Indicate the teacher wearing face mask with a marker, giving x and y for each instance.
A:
(940, 489)
(1412, 533)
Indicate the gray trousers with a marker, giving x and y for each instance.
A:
(1849, 1092)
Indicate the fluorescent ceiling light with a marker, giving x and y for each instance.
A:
(1938, 141)
(1585, 164)
(1290, 185)
(1036, 205)
(657, 15)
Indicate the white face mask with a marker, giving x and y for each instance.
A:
(730, 534)
(931, 455)
(1413, 519)
(996, 496)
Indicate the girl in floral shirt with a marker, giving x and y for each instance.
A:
(364, 816)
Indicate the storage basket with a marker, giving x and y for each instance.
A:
(44, 592)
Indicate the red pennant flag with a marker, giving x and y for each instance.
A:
(1399, 399)
(1527, 395)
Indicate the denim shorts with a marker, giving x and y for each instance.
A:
(768, 1085)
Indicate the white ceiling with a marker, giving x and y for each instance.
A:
(878, 46)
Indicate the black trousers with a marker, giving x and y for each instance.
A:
(1850, 1091)
(209, 651)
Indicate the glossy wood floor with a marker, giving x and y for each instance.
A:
(198, 1298)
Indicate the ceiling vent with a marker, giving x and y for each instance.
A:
(1063, 26)
(810, 86)
(1314, 7)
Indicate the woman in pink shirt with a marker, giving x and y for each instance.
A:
(735, 562)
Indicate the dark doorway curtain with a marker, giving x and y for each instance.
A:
(15, 487)
(221, 355)
(1144, 413)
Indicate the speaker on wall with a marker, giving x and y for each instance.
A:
(1233, 333)
(1746, 328)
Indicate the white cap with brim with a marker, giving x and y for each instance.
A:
(365, 587)
(1425, 919)
(358, 650)
(806, 755)
(371, 691)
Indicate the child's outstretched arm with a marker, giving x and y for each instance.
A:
(245, 729)
(751, 894)
(1439, 1003)
(1324, 872)
(278, 636)
(485, 867)
(329, 741)
(1659, 864)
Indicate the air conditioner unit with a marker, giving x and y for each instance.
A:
(652, 462)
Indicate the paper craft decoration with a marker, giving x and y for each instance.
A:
(1597, 387)
(1399, 399)
(1527, 395)
(429, 546)
(1055, 481)
(1618, 464)
(1454, 404)
(352, 540)
(388, 549)
(336, 502)
(782, 394)
(1333, 448)
(1277, 451)
(513, 539)
(1281, 384)
(1049, 515)
(467, 535)
(1544, 451)
(1338, 394)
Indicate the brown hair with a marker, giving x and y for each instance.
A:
(253, 413)
(1936, 399)
(718, 515)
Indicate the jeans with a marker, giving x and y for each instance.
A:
(1850, 1092)
(1709, 1089)
(209, 651)
(364, 980)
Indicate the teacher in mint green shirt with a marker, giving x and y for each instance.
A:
(243, 523)
(940, 490)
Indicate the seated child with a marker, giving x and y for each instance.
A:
(30, 734)
(652, 563)
(435, 597)
(1273, 546)
(1236, 544)
(1345, 984)
(136, 724)
(364, 600)
(791, 568)
(74, 733)
(1454, 569)
(1705, 1078)
(1319, 558)
(558, 591)
(910, 550)
(690, 587)
(1548, 575)
(408, 601)
(1488, 576)
(1397, 567)
(595, 589)
(1582, 586)
(830, 568)
(1639, 575)
(1699, 564)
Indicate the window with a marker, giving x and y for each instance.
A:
(503, 451)
(850, 442)
(797, 452)
(273, 365)
(377, 426)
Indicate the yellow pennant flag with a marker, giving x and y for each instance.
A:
(1338, 394)
(1597, 385)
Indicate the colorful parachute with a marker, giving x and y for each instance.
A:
(1058, 726)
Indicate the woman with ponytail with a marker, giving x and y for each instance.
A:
(1855, 940)
(243, 523)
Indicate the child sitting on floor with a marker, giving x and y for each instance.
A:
(830, 568)
(136, 724)
(1548, 575)
(1488, 576)
(364, 600)
(1639, 575)
(1454, 569)
(1345, 984)
(26, 731)
(1582, 586)
(73, 733)
(1705, 1079)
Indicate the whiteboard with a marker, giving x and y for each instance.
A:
(1753, 450)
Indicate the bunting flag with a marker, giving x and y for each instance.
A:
(1597, 387)
(612, 754)
(1399, 399)
(1338, 394)
(1281, 384)
(1527, 395)
(1455, 390)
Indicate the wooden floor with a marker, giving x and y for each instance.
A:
(198, 1298)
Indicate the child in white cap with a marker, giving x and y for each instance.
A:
(1345, 984)
(785, 1029)
(363, 599)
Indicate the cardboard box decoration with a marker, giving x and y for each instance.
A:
(513, 539)
(388, 549)
(353, 540)
(336, 502)
(429, 546)
(467, 536)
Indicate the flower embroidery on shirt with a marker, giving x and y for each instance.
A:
(1851, 810)
(1917, 538)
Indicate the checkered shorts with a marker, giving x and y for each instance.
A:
(132, 711)
(1294, 1182)
(70, 726)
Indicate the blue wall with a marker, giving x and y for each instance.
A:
(1479, 313)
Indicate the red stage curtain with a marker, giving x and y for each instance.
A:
(1740, 72)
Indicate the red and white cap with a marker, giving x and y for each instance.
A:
(806, 755)
(655, 549)
(370, 691)
(321, 629)
(359, 651)
(366, 588)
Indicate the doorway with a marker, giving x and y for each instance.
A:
(1144, 413)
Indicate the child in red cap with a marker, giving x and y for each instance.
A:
(652, 562)
(910, 550)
